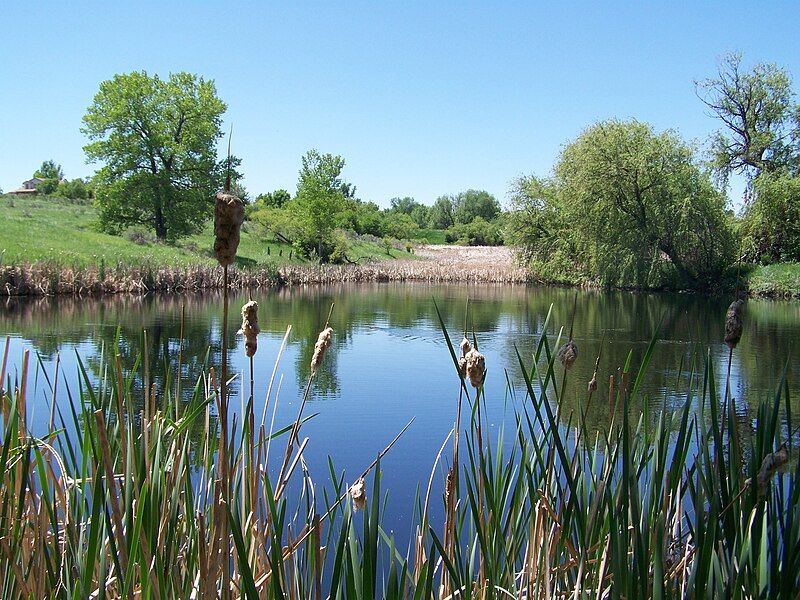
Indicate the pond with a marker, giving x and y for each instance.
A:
(389, 361)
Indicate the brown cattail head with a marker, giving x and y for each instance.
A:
(769, 466)
(250, 329)
(323, 341)
(465, 346)
(567, 354)
(358, 493)
(475, 367)
(733, 323)
(593, 384)
(228, 218)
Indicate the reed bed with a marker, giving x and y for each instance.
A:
(150, 495)
(439, 264)
(49, 279)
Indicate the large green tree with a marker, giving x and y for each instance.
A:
(761, 140)
(475, 203)
(626, 206)
(157, 141)
(761, 119)
(320, 200)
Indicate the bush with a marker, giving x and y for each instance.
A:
(478, 232)
(140, 236)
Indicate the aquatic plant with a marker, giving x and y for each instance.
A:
(124, 496)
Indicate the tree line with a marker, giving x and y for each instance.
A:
(625, 205)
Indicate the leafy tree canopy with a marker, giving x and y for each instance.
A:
(49, 170)
(274, 199)
(475, 203)
(626, 206)
(762, 122)
(157, 141)
(321, 197)
(440, 215)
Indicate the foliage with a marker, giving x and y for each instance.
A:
(400, 226)
(475, 203)
(478, 232)
(274, 199)
(49, 170)
(771, 223)
(762, 123)
(626, 207)
(157, 139)
(320, 199)
(440, 215)
(76, 189)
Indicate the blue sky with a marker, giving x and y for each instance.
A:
(420, 98)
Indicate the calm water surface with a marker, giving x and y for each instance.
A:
(389, 361)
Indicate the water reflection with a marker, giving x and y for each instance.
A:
(505, 318)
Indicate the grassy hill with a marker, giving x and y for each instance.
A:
(47, 229)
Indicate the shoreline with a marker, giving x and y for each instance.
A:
(432, 264)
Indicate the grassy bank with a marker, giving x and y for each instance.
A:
(776, 281)
(52, 246)
(156, 494)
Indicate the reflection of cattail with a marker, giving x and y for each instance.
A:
(733, 323)
(323, 341)
(358, 493)
(250, 328)
(567, 354)
(228, 218)
(475, 367)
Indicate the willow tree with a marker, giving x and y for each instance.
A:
(157, 141)
(626, 206)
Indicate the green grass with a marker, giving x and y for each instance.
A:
(432, 236)
(65, 232)
(780, 280)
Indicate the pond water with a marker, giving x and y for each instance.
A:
(389, 361)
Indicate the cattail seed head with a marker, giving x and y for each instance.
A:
(733, 323)
(593, 384)
(358, 493)
(475, 367)
(769, 466)
(250, 329)
(465, 346)
(323, 341)
(567, 354)
(228, 218)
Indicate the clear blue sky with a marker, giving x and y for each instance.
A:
(420, 98)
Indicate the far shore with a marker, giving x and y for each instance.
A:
(432, 264)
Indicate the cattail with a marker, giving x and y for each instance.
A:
(228, 218)
(250, 329)
(358, 493)
(323, 341)
(475, 368)
(465, 346)
(593, 384)
(771, 463)
(733, 323)
(567, 354)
